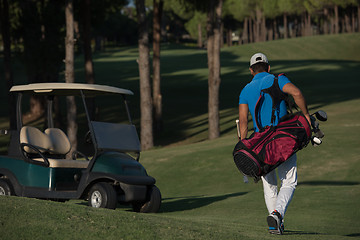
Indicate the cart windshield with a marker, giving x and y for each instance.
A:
(116, 136)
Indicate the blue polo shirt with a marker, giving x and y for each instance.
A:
(251, 93)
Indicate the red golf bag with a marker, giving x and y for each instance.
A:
(263, 151)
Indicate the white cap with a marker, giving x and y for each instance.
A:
(257, 58)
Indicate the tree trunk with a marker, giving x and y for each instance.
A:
(358, 17)
(89, 66)
(336, 11)
(32, 33)
(353, 20)
(326, 23)
(221, 35)
(59, 122)
(157, 97)
(99, 45)
(276, 32)
(263, 29)
(347, 22)
(285, 26)
(199, 40)
(229, 37)
(270, 32)
(5, 31)
(69, 75)
(146, 121)
(308, 24)
(214, 80)
(303, 25)
(245, 35)
(295, 29)
(251, 30)
(37, 107)
(342, 26)
(258, 35)
(210, 53)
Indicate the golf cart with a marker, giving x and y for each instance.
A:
(38, 165)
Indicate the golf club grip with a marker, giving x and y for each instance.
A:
(238, 127)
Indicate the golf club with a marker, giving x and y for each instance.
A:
(320, 115)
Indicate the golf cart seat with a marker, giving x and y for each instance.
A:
(33, 136)
(53, 144)
(60, 143)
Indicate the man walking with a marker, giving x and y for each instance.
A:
(276, 202)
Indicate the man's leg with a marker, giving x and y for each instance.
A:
(288, 176)
(270, 190)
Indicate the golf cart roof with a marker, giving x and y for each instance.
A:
(71, 89)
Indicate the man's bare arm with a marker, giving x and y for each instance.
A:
(243, 120)
(299, 99)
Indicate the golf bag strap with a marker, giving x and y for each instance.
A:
(257, 106)
(276, 94)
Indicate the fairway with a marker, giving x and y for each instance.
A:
(204, 196)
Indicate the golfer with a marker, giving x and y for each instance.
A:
(276, 202)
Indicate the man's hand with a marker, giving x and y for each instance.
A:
(307, 116)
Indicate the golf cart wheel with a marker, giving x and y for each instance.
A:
(152, 205)
(5, 188)
(102, 195)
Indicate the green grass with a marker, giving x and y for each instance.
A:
(203, 193)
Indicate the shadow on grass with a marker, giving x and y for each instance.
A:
(193, 202)
(289, 232)
(353, 235)
(328, 183)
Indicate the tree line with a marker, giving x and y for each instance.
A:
(273, 19)
(248, 21)
(34, 31)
